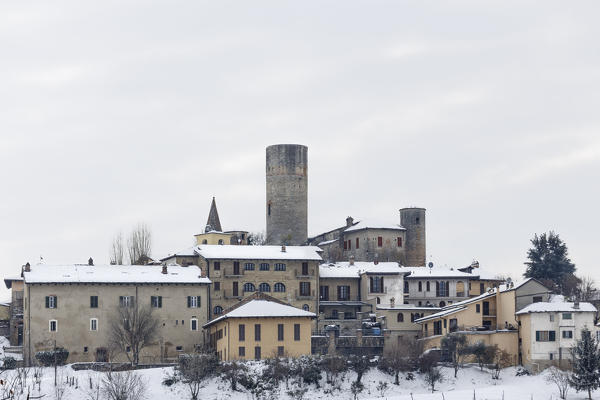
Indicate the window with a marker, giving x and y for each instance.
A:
(85, 349)
(217, 286)
(442, 289)
(53, 325)
(406, 287)
(126, 301)
(242, 351)
(399, 242)
(279, 267)
(481, 288)
(334, 314)
(345, 245)
(194, 324)
(357, 241)
(545, 336)
(324, 293)
(567, 316)
(217, 266)
(241, 332)
(280, 351)
(477, 308)
(428, 287)
(537, 299)
(221, 241)
(264, 287)
(296, 332)
(305, 268)
(264, 266)
(279, 287)
(249, 267)
(306, 307)
(453, 325)
(51, 302)
(379, 241)
(269, 208)
(218, 310)
(376, 284)
(257, 352)
(437, 327)
(236, 268)
(280, 332)
(93, 301)
(418, 220)
(257, 332)
(93, 324)
(551, 317)
(567, 334)
(343, 292)
(178, 348)
(156, 301)
(249, 287)
(420, 286)
(304, 288)
(193, 301)
(400, 317)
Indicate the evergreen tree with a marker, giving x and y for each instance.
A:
(548, 259)
(586, 364)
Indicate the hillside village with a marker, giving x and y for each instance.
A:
(363, 289)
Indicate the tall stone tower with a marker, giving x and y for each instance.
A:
(287, 194)
(413, 219)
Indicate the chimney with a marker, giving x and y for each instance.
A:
(349, 222)
(164, 269)
(351, 260)
(27, 267)
(283, 248)
(392, 302)
(376, 261)
(576, 305)
(91, 261)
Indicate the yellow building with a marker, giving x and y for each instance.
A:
(259, 327)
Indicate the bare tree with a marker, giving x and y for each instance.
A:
(433, 375)
(123, 386)
(561, 379)
(502, 359)
(256, 238)
(139, 245)
(196, 369)
(132, 328)
(117, 250)
(585, 289)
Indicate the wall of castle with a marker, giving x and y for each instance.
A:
(369, 248)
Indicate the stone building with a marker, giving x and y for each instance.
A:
(258, 327)
(287, 194)
(287, 273)
(16, 309)
(404, 243)
(72, 306)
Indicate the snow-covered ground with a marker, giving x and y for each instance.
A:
(470, 379)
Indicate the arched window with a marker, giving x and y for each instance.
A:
(428, 287)
(249, 287)
(400, 317)
(420, 286)
(264, 266)
(442, 303)
(249, 266)
(221, 241)
(306, 307)
(218, 310)
(279, 287)
(378, 300)
(264, 287)
(204, 241)
(460, 289)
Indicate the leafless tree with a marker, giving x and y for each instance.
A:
(335, 368)
(256, 238)
(117, 250)
(131, 328)
(502, 359)
(139, 244)
(585, 289)
(433, 375)
(196, 369)
(561, 379)
(123, 386)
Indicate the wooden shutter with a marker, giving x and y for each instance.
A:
(47, 301)
(159, 301)
(198, 304)
(189, 301)
(296, 331)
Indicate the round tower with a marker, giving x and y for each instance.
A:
(287, 194)
(413, 219)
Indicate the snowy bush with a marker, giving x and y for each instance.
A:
(10, 363)
(50, 358)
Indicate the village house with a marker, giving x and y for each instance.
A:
(72, 306)
(15, 320)
(258, 327)
(549, 331)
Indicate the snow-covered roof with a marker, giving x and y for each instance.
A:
(259, 252)
(556, 307)
(189, 252)
(45, 273)
(345, 270)
(326, 242)
(436, 272)
(407, 307)
(373, 225)
(262, 309)
(440, 314)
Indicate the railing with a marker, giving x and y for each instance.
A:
(460, 294)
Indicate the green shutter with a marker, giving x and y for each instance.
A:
(159, 301)
(189, 300)
(47, 302)
(55, 301)
(198, 302)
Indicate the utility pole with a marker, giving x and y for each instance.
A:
(54, 362)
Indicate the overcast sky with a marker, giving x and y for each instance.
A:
(113, 112)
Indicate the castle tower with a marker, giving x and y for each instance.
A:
(287, 194)
(413, 219)
(213, 223)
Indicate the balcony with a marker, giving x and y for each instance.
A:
(304, 296)
(310, 275)
(228, 294)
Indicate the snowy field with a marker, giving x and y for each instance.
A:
(470, 380)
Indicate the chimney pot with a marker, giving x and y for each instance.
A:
(349, 222)
(91, 261)
(283, 250)
(164, 269)
(576, 305)
(351, 260)
(27, 267)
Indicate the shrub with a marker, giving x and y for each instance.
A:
(10, 363)
(50, 357)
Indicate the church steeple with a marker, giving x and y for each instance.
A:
(213, 223)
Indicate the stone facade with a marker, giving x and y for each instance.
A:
(413, 219)
(287, 194)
